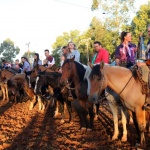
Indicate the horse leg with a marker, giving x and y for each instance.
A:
(3, 91)
(140, 116)
(56, 109)
(32, 102)
(40, 103)
(91, 113)
(96, 110)
(124, 122)
(148, 122)
(82, 112)
(62, 112)
(114, 110)
(69, 108)
(6, 90)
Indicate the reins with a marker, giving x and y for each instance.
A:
(105, 96)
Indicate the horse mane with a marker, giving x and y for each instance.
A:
(12, 70)
(80, 69)
(96, 71)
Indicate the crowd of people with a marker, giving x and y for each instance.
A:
(125, 55)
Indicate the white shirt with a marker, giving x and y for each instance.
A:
(73, 53)
(52, 62)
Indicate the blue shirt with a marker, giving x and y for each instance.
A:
(26, 66)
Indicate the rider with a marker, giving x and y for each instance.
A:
(26, 68)
(36, 60)
(147, 103)
(73, 52)
(50, 59)
(125, 52)
(101, 54)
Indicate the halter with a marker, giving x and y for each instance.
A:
(105, 96)
(69, 83)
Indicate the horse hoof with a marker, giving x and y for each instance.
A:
(114, 138)
(96, 118)
(55, 116)
(62, 121)
(89, 129)
(123, 139)
(83, 129)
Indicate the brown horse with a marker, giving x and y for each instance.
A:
(74, 73)
(8, 74)
(128, 88)
(3, 83)
(40, 68)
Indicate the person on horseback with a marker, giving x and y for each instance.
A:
(50, 59)
(125, 53)
(101, 54)
(36, 60)
(26, 68)
(73, 52)
(143, 65)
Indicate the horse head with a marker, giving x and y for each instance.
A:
(97, 82)
(68, 71)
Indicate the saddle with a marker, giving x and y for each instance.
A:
(143, 75)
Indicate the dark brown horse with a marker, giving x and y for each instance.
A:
(20, 79)
(52, 79)
(73, 73)
(40, 68)
(128, 88)
(5, 84)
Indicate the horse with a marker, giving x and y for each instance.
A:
(40, 68)
(5, 85)
(74, 72)
(61, 94)
(20, 79)
(126, 85)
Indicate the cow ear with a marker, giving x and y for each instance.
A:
(90, 64)
(102, 65)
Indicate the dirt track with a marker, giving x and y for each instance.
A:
(21, 129)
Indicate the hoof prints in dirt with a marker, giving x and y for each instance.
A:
(21, 129)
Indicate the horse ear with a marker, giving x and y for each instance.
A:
(72, 59)
(90, 64)
(102, 65)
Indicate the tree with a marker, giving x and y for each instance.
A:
(8, 51)
(140, 22)
(117, 12)
(29, 56)
(63, 40)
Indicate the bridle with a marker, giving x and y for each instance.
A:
(107, 94)
(69, 83)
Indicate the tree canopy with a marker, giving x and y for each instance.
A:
(107, 31)
(8, 51)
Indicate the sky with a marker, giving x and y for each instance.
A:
(40, 22)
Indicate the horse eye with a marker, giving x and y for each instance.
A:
(98, 79)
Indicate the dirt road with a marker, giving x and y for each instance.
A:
(21, 129)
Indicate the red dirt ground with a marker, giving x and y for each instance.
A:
(21, 129)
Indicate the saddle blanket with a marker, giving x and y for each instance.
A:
(144, 71)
